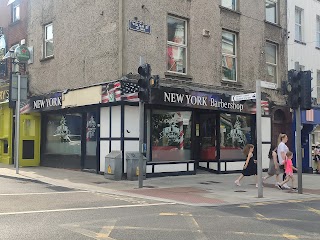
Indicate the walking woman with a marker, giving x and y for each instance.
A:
(282, 151)
(250, 166)
(273, 164)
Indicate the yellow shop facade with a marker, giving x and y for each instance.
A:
(29, 131)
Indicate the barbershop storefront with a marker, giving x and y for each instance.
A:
(185, 130)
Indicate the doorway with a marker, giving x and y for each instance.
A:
(207, 131)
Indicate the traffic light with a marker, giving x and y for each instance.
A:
(143, 82)
(305, 92)
(293, 89)
(154, 81)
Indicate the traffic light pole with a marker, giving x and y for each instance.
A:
(259, 138)
(298, 148)
(141, 136)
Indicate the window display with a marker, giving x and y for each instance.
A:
(171, 135)
(235, 132)
(63, 134)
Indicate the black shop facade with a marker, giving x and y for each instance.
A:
(192, 130)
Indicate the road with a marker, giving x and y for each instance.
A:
(35, 210)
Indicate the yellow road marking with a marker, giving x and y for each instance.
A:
(313, 210)
(288, 236)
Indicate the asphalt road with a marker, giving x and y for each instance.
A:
(34, 210)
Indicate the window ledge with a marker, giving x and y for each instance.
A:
(229, 9)
(179, 76)
(302, 43)
(228, 82)
(46, 58)
(273, 24)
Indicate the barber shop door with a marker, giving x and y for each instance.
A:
(29, 148)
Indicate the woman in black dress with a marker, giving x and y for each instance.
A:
(250, 166)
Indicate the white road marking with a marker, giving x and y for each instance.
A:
(83, 209)
(40, 193)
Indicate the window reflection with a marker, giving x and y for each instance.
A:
(235, 131)
(171, 135)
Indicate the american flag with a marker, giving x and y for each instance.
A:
(310, 115)
(130, 92)
(111, 92)
(264, 108)
(25, 107)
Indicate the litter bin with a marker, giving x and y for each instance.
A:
(133, 166)
(113, 165)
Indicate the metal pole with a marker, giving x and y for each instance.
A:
(17, 135)
(298, 148)
(141, 136)
(259, 141)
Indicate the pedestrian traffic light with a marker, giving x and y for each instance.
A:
(143, 82)
(154, 81)
(305, 91)
(293, 89)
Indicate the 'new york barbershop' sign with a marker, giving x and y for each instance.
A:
(194, 99)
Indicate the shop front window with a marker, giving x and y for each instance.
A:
(63, 134)
(235, 132)
(171, 135)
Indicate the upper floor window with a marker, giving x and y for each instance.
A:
(15, 11)
(229, 56)
(318, 31)
(48, 40)
(272, 62)
(298, 24)
(272, 11)
(232, 4)
(177, 45)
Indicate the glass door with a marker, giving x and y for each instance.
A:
(90, 161)
(208, 137)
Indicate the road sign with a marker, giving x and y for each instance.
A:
(269, 85)
(242, 97)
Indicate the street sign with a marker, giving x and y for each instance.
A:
(242, 97)
(269, 85)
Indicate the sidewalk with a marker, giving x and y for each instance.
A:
(203, 189)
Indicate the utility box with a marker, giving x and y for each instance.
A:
(133, 166)
(113, 165)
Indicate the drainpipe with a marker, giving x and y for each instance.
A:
(121, 38)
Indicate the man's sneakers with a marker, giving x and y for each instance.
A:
(279, 186)
(237, 183)
(294, 189)
(285, 186)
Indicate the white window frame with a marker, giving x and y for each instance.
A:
(47, 40)
(318, 31)
(299, 24)
(185, 45)
(15, 10)
(231, 55)
(274, 64)
(276, 12)
(233, 7)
